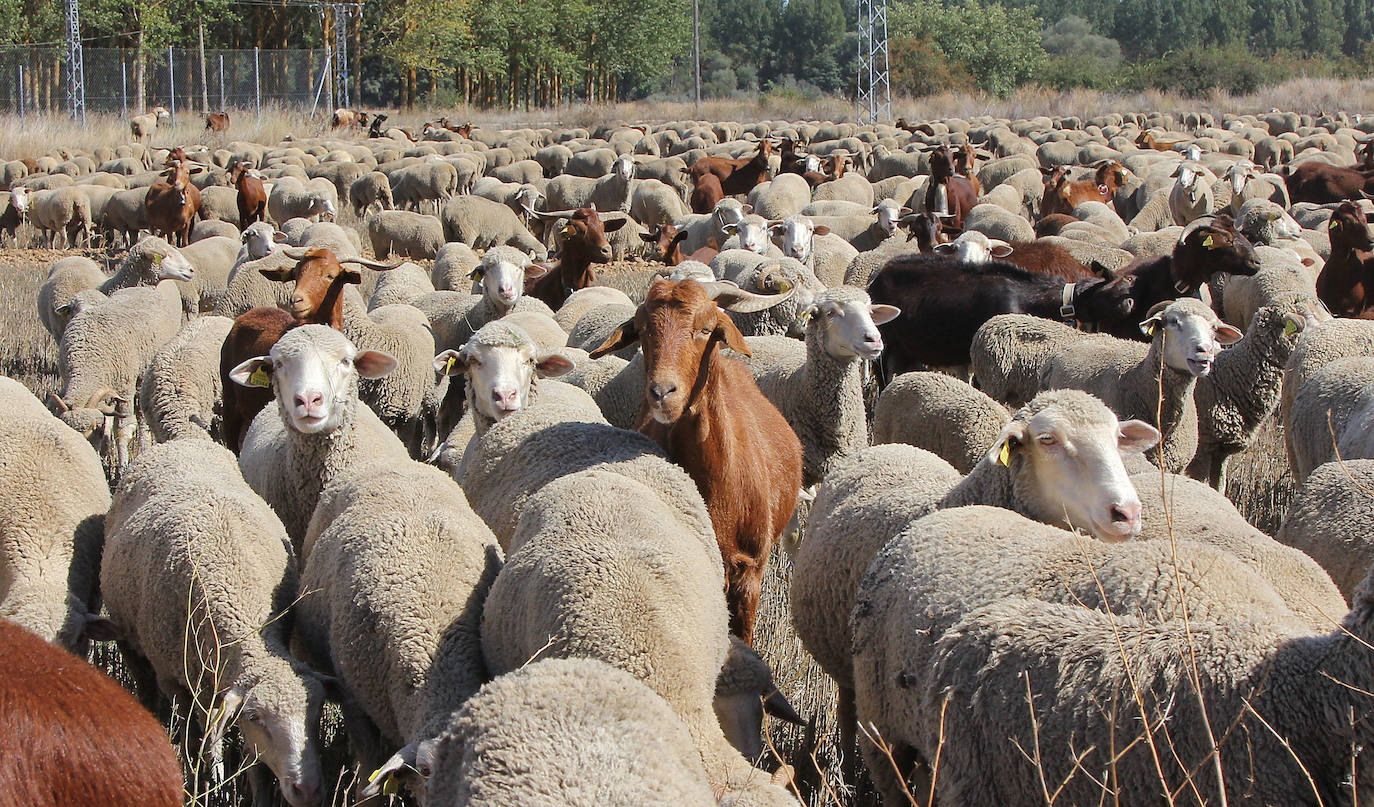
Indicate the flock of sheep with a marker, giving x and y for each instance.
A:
(980, 379)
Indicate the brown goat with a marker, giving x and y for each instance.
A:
(583, 243)
(252, 198)
(706, 192)
(317, 300)
(1162, 141)
(948, 194)
(72, 736)
(667, 240)
(708, 414)
(736, 176)
(1062, 195)
(217, 122)
(1346, 282)
(172, 205)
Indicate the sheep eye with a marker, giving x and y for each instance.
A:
(1046, 439)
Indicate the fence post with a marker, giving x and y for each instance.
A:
(221, 82)
(324, 72)
(257, 86)
(124, 85)
(21, 92)
(172, 85)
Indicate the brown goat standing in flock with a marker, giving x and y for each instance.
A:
(73, 735)
(583, 243)
(709, 415)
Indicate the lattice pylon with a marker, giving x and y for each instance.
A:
(76, 72)
(874, 96)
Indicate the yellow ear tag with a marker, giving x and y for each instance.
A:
(1209, 243)
(448, 365)
(1153, 328)
(157, 257)
(259, 378)
(804, 318)
(1289, 327)
(1005, 456)
(569, 230)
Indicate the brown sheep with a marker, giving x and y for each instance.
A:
(709, 415)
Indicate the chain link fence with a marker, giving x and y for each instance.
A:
(34, 79)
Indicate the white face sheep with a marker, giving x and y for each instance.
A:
(889, 212)
(753, 236)
(624, 167)
(796, 236)
(500, 361)
(852, 326)
(260, 239)
(502, 275)
(313, 386)
(973, 247)
(1191, 342)
(1073, 449)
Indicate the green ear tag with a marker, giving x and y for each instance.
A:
(1289, 327)
(259, 378)
(1005, 456)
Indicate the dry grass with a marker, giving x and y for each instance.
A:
(1260, 485)
(35, 134)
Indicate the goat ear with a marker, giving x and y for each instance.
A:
(728, 331)
(649, 237)
(281, 274)
(1135, 436)
(351, 276)
(554, 365)
(256, 372)
(613, 225)
(100, 629)
(374, 363)
(943, 249)
(624, 336)
(1011, 438)
(1228, 335)
(1102, 270)
(883, 314)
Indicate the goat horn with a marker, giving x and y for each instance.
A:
(554, 214)
(378, 265)
(733, 298)
(294, 254)
(1195, 225)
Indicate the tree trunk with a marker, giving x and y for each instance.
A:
(140, 75)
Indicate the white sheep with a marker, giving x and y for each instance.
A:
(1243, 388)
(213, 258)
(517, 739)
(319, 428)
(1330, 414)
(147, 263)
(1320, 344)
(940, 414)
(51, 521)
(793, 286)
(482, 223)
(1329, 521)
(819, 385)
(395, 569)
(402, 285)
(65, 210)
(1190, 198)
(611, 192)
(582, 301)
(410, 235)
(573, 586)
(825, 254)
(370, 189)
(453, 266)
(181, 389)
(701, 229)
(197, 573)
(290, 198)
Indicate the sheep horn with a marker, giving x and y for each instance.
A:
(1195, 225)
(105, 399)
(378, 265)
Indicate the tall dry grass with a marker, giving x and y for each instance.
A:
(37, 134)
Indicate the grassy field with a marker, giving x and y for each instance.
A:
(1260, 485)
(36, 135)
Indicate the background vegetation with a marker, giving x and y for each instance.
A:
(537, 53)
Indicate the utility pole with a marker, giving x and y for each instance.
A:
(874, 96)
(76, 72)
(200, 33)
(696, 51)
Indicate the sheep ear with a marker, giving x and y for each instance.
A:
(374, 363)
(999, 249)
(624, 336)
(1135, 436)
(255, 372)
(821, 230)
(450, 362)
(1228, 335)
(747, 209)
(399, 769)
(883, 314)
(1102, 270)
(943, 249)
(1010, 439)
(223, 714)
(554, 365)
(1293, 324)
(536, 270)
(279, 237)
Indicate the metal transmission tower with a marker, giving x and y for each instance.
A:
(76, 72)
(341, 13)
(874, 91)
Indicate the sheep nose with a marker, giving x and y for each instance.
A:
(873, 340)
(1127, 513)
(303, 794)
(506, 399)
(309, 400)
(660, 392)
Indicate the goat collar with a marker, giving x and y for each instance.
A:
(1181, 287)
(1066, 310)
